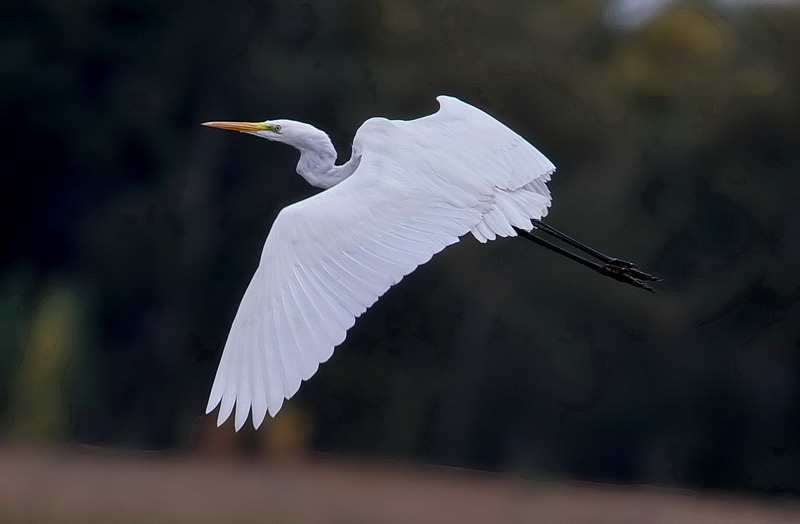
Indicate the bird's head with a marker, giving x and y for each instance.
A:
(297, 134)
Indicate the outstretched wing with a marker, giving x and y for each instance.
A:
(420, 185)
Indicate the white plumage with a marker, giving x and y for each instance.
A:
(411, 189)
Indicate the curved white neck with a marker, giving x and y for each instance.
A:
(318, 165)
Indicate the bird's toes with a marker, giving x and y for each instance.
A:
(623, 272)
(618, 262)
(641, 275)
(624, 267)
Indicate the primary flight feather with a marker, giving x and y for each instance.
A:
(410, 189)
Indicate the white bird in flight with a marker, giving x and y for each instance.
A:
(410, 189)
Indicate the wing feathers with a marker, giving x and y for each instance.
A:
(311, 319)
(245, 384)
(272, 355)
(335, 311)
(328, 333)
(285, 351)
(298, 326)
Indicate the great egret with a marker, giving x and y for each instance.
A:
(410, 189)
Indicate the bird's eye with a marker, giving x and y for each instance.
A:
(277, 128)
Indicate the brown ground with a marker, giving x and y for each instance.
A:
(89, 486)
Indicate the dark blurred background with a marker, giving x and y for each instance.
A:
(129, 232)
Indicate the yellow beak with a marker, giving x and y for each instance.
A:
(244, 127)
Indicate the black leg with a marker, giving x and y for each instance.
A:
(550, 230)
(560, 250)
(620, 270)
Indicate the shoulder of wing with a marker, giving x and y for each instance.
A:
(458, 145)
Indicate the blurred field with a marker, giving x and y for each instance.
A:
(90, 486)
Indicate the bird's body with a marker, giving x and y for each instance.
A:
(410, 189)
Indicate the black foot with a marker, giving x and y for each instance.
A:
(627, 272)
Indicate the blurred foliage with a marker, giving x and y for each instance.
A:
(677, 146)
(40, 405)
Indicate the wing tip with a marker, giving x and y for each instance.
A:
(222, 417)
(275, 408)
(448, 100)
(242, 414)
(442, 99)
(213, 400)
